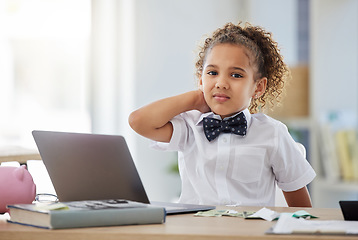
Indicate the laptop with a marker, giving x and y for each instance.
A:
(349, 210)
(96, 167)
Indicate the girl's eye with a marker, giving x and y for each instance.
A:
(212, 73)
(236, 75)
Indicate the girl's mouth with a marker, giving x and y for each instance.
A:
(220, 97)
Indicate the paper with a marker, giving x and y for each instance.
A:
(265, 214)
(290, 225)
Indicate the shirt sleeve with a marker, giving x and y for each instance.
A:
(290, 166)
(179, 136)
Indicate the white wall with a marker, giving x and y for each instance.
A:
(334, 55)
(280, 18)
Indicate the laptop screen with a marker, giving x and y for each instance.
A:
(90, 166)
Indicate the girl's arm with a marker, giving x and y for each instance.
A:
(152, 121)
(298, 198)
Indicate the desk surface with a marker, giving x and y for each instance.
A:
(17, 153)
(184, 226)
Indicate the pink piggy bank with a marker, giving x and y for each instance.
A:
(16, 186)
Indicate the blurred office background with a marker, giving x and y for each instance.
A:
(83, 66)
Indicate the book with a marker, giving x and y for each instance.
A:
(353, 151)
(329, 155)
(344, 155)
(91, 213)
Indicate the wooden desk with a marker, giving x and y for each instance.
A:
(19, 154)
(177, 227)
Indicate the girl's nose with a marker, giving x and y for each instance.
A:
(222, 83)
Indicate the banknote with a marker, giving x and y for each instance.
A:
(221, 212)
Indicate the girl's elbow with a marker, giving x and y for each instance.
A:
(134, 120)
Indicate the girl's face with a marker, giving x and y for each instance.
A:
(227, 80)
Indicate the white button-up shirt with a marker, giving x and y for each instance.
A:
(233, 169)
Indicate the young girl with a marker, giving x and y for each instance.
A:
(229, 153)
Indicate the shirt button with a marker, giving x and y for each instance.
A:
(224, 140)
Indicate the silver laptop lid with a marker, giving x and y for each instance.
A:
(89, 166)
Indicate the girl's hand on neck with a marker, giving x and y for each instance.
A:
(201, 104)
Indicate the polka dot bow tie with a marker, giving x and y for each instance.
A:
(213, 127)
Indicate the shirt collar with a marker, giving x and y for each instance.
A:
(213, 115)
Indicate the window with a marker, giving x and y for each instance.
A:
(43, 65)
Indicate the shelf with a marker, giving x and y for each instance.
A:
(17, 153)
(336, 186)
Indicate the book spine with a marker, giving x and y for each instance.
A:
(353, 151)
(344, 155)
(107, 217)
(329, 155)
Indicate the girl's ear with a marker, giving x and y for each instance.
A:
(200, 84)
(260, 87)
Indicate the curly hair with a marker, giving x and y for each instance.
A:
(265, 55)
